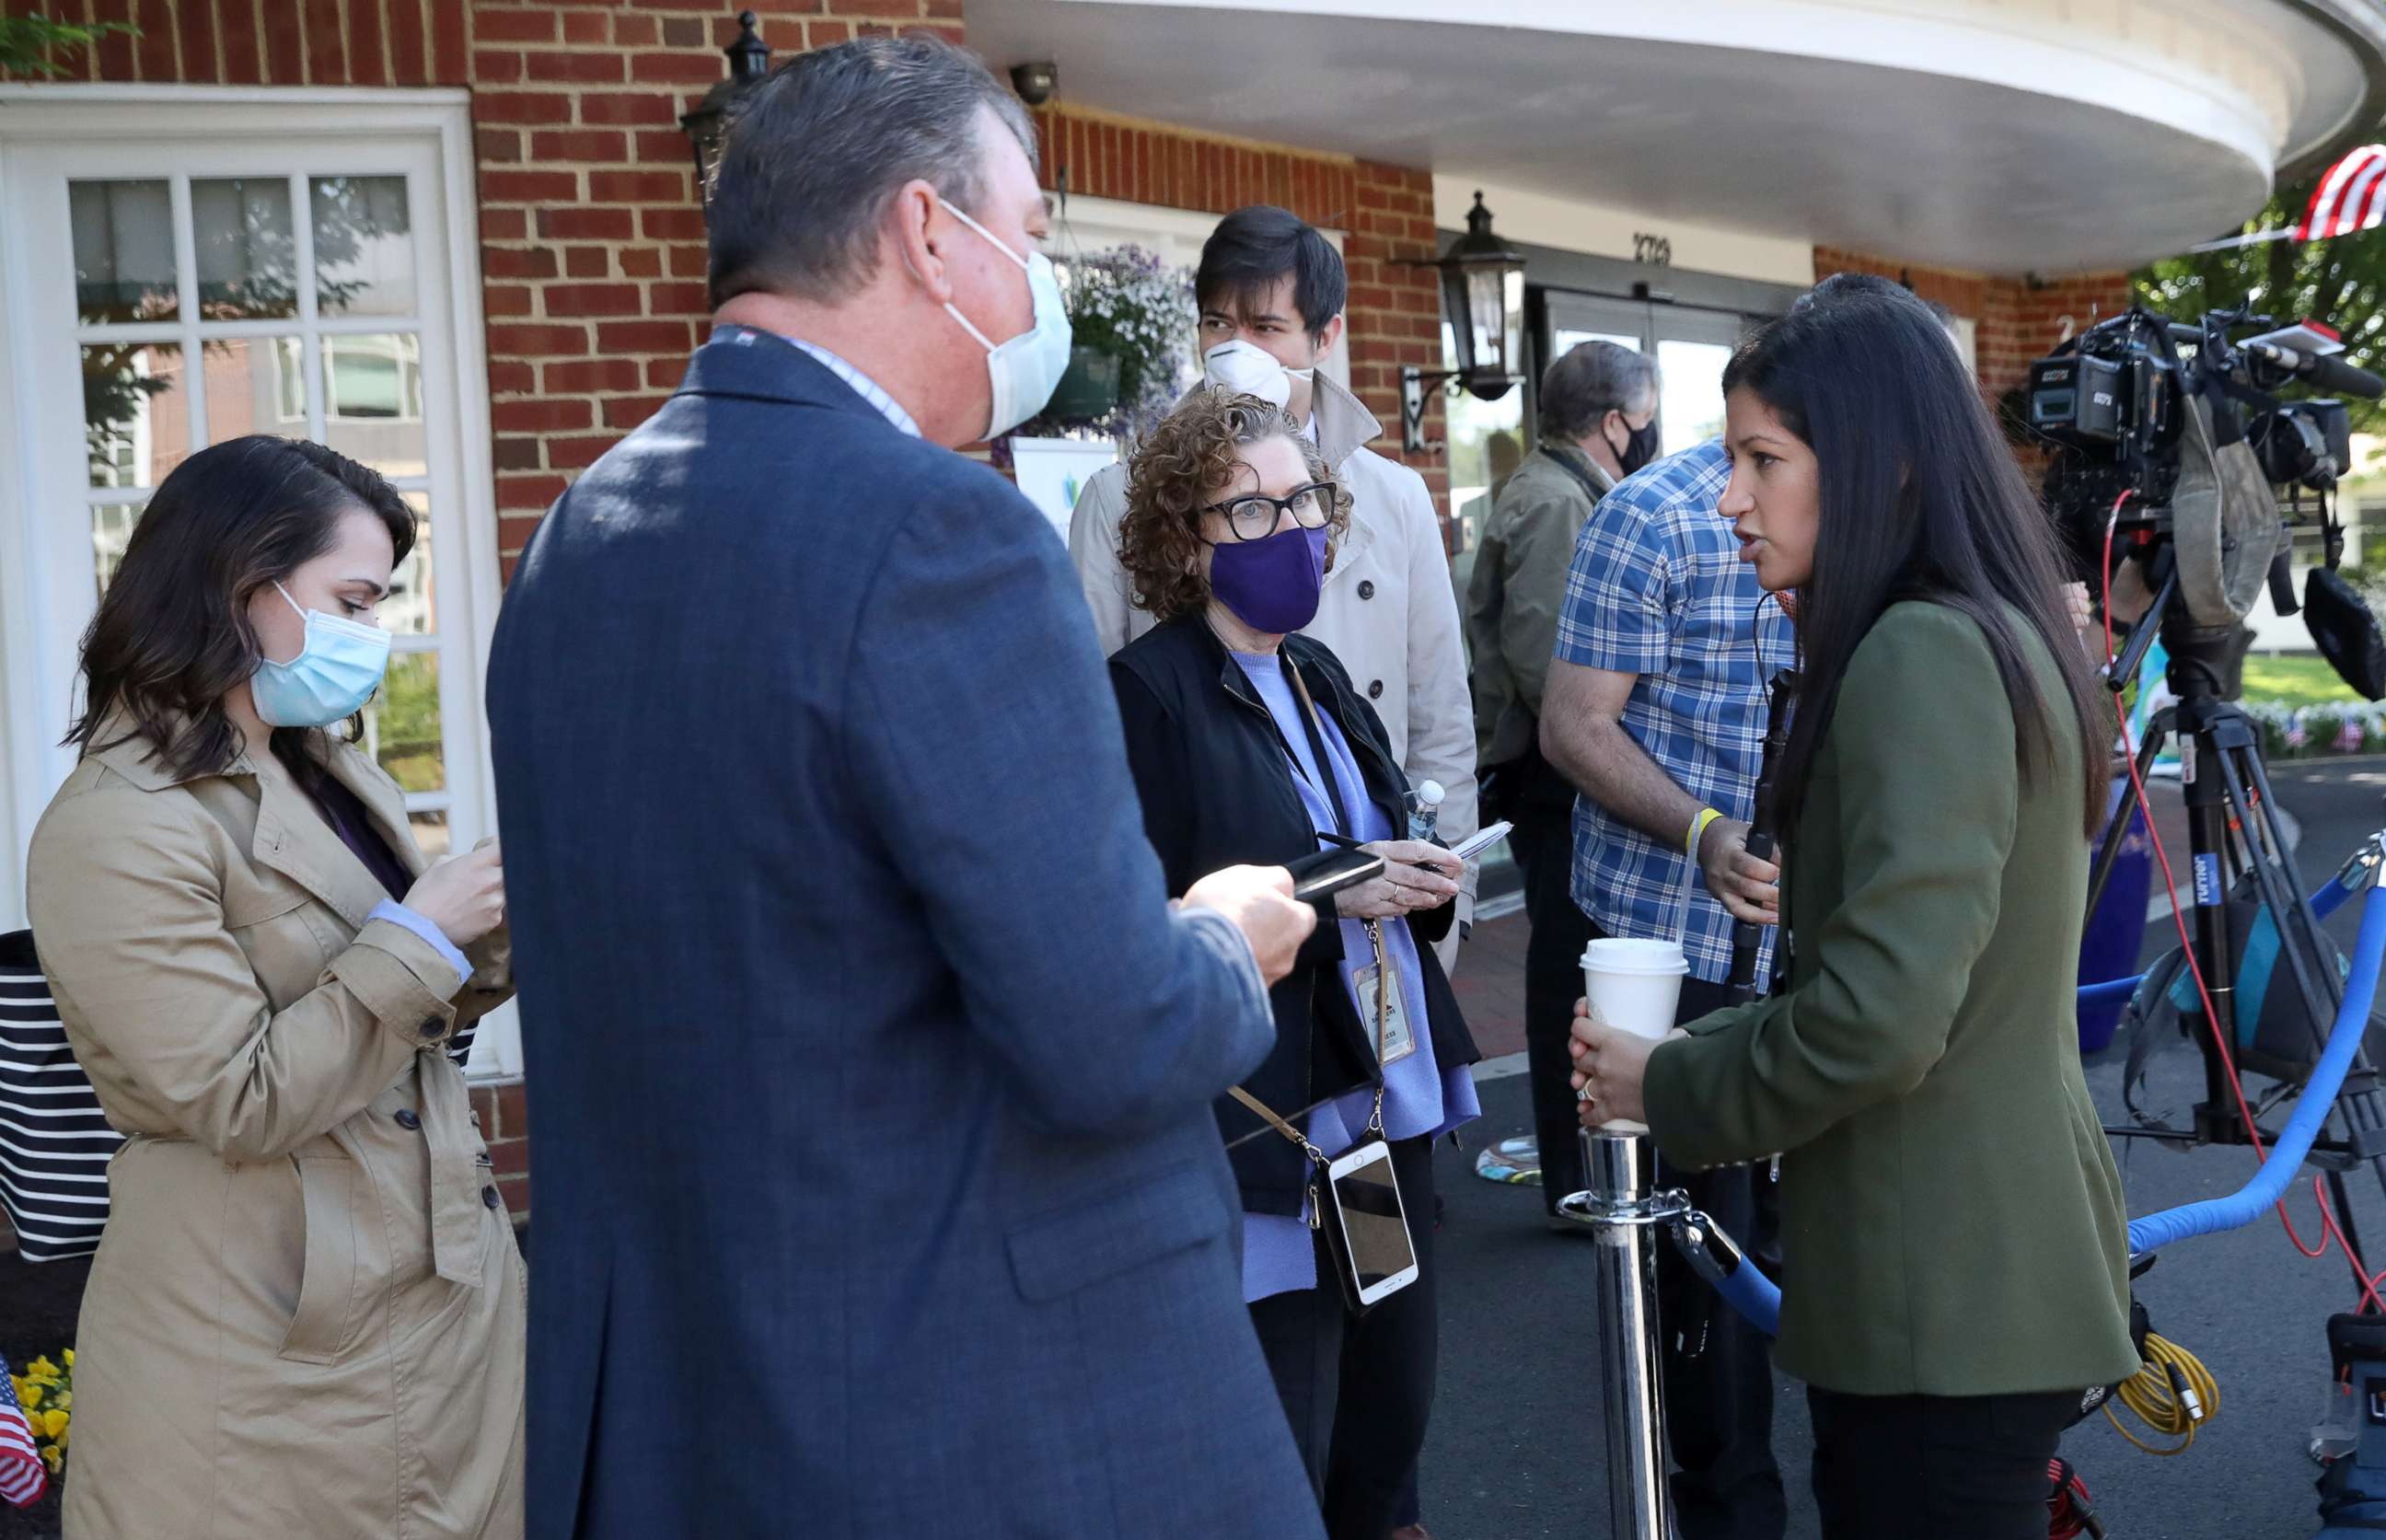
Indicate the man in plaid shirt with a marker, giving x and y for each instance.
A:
(1655, 710)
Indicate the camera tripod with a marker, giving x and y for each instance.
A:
(2234, 831)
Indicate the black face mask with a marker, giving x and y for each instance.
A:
(1639, 447)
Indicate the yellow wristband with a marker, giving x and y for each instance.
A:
(1698, 830)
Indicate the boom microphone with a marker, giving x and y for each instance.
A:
(2321, 369)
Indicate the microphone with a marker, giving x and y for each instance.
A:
(1746, 938)
(2321, 369)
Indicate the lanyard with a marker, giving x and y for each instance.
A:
(1589, 487)
(1375, 1116)
(1333, 787)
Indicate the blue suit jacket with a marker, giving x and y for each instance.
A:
(878, 1192)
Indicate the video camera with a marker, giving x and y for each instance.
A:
(2174, 437)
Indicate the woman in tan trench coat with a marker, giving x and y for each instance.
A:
(306, 1319)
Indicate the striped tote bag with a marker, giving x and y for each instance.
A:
(55, 1145)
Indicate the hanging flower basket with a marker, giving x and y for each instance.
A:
(1134, 320)
(1088, 391)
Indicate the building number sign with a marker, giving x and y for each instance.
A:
(1654, 250)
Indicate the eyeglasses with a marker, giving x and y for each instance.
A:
(1255, 516)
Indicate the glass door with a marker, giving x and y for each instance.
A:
(191, 294)
(1691, 347)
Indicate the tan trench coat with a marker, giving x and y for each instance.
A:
(306, 1318)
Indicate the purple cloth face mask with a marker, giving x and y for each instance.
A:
(1271, 584)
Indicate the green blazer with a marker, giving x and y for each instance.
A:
(1952, 1218)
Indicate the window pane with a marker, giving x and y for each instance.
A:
(409, 611)
(253, 387)
(364, 247)
(134, 415)
(1485, 439)
(402, 723)
(124, 251)
(372, 401)
(1690, 375)
(1566, 341)
(112, 529)
(247, 257)
(430, 832)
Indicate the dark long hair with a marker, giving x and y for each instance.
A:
(1920, 499)
(172, 633)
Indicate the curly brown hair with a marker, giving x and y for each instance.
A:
(1184, 464)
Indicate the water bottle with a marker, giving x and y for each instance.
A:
(1425, 809)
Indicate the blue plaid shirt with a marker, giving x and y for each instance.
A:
(1657, 589)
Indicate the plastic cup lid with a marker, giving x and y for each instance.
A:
(1632, 955)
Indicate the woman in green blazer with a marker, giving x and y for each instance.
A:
(1953, 1240)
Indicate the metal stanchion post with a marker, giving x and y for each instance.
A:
(1627, 1215)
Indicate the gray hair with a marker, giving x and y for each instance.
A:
(1590, 381)
(817, 152)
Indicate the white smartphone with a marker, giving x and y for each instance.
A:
(1375, 1227)
(1481, 840)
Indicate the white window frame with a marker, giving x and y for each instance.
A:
(37, 663)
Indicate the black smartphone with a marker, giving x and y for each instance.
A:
(1329, 872)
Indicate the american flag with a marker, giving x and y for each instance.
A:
(22, 1476)
(2297, 733)
(2348, 737)
(2351, 196)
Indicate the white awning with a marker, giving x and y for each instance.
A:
(2002, 136)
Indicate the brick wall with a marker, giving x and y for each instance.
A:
(591, 237)
(504, 1112)
(592, 243)
(2019, 319)
(1385, 211)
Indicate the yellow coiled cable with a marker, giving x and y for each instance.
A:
(2171, 1407)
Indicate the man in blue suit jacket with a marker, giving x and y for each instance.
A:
(879, 1197)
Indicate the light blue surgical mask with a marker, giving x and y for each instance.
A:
(1025, 369)
(333, 676)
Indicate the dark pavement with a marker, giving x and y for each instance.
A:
(1517, 1446)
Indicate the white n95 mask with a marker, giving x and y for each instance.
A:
(1249, 369)
(1025, 370)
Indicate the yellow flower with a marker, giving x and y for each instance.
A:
(69, 1356)
(53, 1457)
(41, 1368)
(51, 1423)
(66, 1401)
(29, 1396)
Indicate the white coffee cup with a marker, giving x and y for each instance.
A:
(1634, 985)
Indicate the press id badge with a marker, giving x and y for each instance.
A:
(1377, 986)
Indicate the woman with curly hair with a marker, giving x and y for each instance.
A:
(1250, 746)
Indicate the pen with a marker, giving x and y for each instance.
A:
(1349, 844)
